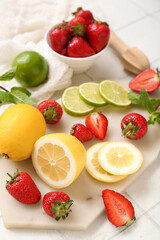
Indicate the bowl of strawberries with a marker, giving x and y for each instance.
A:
(79, 41)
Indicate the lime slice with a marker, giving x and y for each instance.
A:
(89, 92)
(73, 104)
(114, 93)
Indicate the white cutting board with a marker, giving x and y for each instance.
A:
(85, 191)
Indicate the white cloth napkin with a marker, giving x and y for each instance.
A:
(23, 24)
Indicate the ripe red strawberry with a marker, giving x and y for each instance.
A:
(51, 110)
(119, 209)
(77, 26)
(97, 123)
(86, 14)
(78, 47)
(81, 132)
(64, 52)
(98, 35)
(59, 36)
(134, 126)
(57, 204)
(23, 188)
(148, 79)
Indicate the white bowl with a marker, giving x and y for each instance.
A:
(78, 65)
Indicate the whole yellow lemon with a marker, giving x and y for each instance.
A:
(21, 125)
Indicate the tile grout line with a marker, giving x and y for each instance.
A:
(90, 77)
(139, 19)
(145, 213)
(153, 207)
(145, 11)
(152, 220)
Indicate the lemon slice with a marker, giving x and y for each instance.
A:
(120, 158)
(94, 168)
(58, 159)
(73, 104)
(114, 93)
(89, 93)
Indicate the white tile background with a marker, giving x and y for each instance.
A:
(137, 22)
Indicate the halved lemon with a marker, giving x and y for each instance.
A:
(58, 159)
(94, 168)
(120, 158)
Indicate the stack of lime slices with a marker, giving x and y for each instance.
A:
(82, 100)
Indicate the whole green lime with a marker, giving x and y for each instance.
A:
(31, 68)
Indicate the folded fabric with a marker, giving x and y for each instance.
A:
(24, 27)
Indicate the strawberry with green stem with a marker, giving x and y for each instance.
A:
(57, 204)
(98, 34)
(59, 37)
(51, 110)
(134, 126)
(77, 26)
(22, 187)
(86, 14)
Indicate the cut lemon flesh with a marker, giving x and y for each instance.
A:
(114, 93)
(120, 158)
(73, 104)
(89, 93)
(94, 168)
(58, 159)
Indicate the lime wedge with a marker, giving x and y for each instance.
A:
(114, 93)
(73, 104)
(89, 92)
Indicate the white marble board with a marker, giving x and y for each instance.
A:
(85, 191)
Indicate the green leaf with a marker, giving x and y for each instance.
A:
(155, 102)
(154, 117)
(145, 101)
(21, 89)
(134, 98)
(6, 97)
(21, 97)
(9, 75)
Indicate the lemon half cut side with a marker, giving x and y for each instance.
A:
(58, 159)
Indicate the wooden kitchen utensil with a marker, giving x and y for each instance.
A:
(133, 59)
